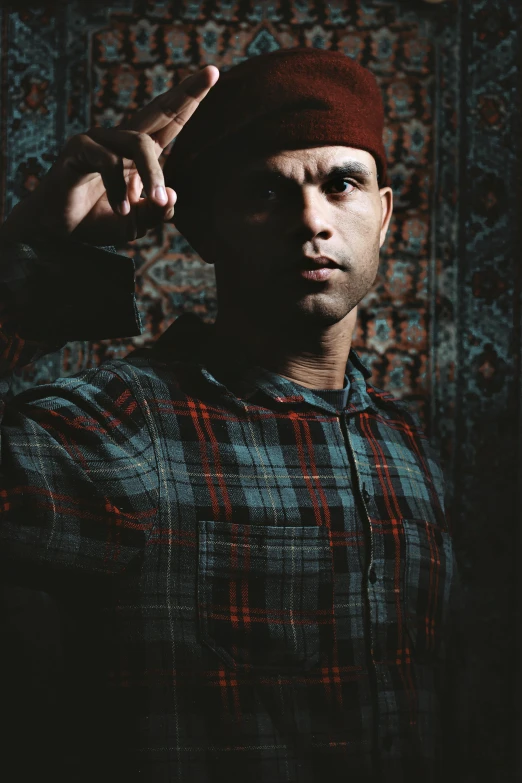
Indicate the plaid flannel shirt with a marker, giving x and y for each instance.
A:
(258, 583)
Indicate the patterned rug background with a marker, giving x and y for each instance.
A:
(441, 328)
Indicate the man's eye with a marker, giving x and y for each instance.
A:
(264, 193)
(342, 186)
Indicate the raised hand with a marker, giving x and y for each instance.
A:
(93, 192)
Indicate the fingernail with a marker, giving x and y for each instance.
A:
(160, 195)
(124, 207)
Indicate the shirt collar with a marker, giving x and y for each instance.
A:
(184, 340)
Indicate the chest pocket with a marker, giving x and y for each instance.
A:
(429, 573)
(265, 595)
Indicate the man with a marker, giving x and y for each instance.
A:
(249, 539)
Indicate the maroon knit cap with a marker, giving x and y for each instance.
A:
(283, 100)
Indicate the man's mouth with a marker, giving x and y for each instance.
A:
(317, 268)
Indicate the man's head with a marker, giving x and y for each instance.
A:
(281, 166)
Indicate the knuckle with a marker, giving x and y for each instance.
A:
(143, 142)
(179, 118)
(77, 142)
(108, 170)
(168, 112)
(112, 161)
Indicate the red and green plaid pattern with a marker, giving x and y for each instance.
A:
(265, 595)
(265, 580)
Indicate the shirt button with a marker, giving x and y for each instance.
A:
(366, 495)
(438, 537)
(387, 742)
(372, 576)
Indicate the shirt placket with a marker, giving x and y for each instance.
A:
(385, 732)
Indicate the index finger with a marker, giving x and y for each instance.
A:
(166, 115)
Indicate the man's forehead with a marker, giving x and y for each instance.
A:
(314, 163)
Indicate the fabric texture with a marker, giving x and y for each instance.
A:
(336, 397)
(258, 584)
(287, 99)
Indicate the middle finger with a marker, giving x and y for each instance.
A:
(140, 148)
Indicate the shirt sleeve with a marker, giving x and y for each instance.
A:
(77, 471)
(78, 479)
(52, 292)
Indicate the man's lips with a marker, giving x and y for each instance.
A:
(317, 268)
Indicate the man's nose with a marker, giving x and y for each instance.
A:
(311, 216)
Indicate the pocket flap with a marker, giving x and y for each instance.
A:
(265, 594)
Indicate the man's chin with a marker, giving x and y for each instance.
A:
(316, 311)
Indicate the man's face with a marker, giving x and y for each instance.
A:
(297, 234)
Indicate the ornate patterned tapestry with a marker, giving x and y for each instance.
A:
(439, 329)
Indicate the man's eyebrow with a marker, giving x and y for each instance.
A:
(352, 168)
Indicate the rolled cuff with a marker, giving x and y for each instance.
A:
(66, 290)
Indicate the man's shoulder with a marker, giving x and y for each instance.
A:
(149, 374)
(114, 379)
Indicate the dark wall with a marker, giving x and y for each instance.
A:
(487, 518)
(441, 327)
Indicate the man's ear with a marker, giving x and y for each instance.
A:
(386, 195)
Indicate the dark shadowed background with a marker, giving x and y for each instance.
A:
(442, 326)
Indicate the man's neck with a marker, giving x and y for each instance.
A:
(314, 359)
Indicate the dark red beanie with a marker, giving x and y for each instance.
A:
(286, 99)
